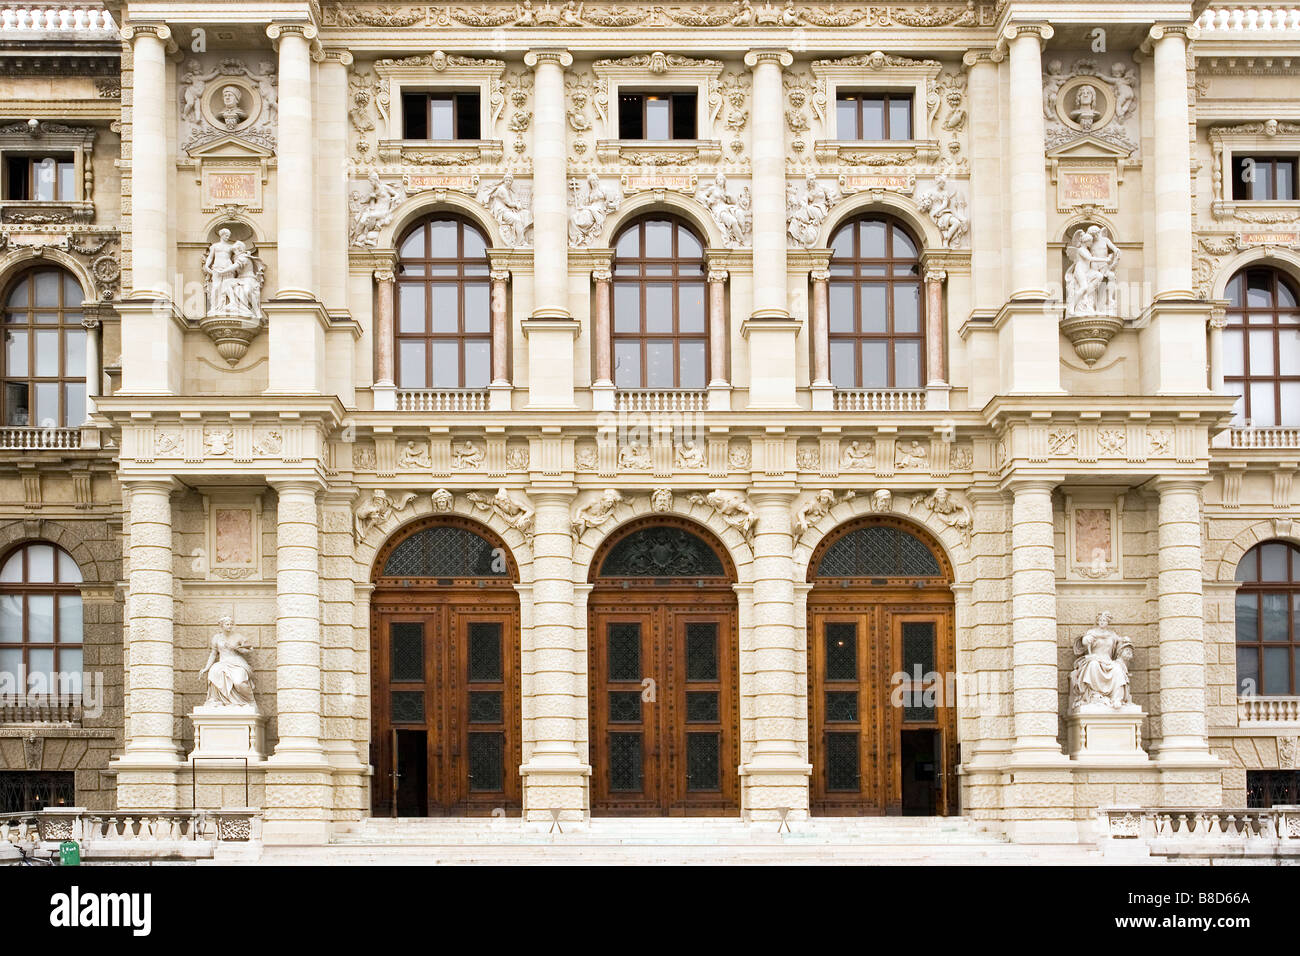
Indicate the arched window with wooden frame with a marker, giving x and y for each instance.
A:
(1268, 620)
(43, 364)
(1261, 347)
(876, 320)
(660, 334)
(443, 322)
(41, 621)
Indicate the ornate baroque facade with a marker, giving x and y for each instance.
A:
(589, 407)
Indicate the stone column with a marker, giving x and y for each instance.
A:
(298, 792)
(1033, 626)
(296, 319)
(499, 389)
(1218, 322)
(987, 184)
(602, 339)
(1171, 341)
(295, 145)
(777, 773)
(150, 178)
(551, 329)
(150, 640)
(94, 375)
(771, 300)
(385, 388)
(331, 202)
(1182, 738)
(719, 387)
(1028, 177)
(819, 323)
(554, 775)
(1172, 162)
(153, 333)
(936, 348)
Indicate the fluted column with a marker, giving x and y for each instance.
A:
(1182, 738)
(550, 185)
(1173, 162)
(936, 348)
(91, 323)
(602, 339)
(768, 144)
(719, 387)
(297, 623)
(385, 340)
(1033, 625)
(1218, 322)
(554, 776)
(150, 112)
(1028, 176)
(151, 649)
(776, 774)
(295, 187)
(550, 329)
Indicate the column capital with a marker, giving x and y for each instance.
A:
(277, 31)
(1014, 31)
(1022, 485)
(499, 275)
(134, 30)
(780, 57)
(1161, 31)
(561, 58)
(602, 274)
(820, 274)
(936, 275)
(718, 274)
(973, 58)
(163, 486)
(290, 485)
(340, 57)
(385, 275)
(1167, 484)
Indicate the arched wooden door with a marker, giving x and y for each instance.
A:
(663, 666)
(881, 673)
(444, 672)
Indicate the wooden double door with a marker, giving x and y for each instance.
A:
(445, 687)
(664, 712)
(881, 701)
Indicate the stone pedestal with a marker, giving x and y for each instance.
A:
(228, 732)
(1112, 737)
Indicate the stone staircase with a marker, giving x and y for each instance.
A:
(675, 841)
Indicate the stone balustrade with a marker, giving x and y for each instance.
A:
(156, 834)
(1268, 710)
(1226, 831)
(31, 438)
(43, 18)
(1255, 17)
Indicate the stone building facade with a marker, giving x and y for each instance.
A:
(727, 407)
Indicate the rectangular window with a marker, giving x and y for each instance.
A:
(22, 791)
(1264, 178)
(49, 178)
(656, 116)
(873, 116)
(434, 116)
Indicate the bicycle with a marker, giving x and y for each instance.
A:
(29, 854)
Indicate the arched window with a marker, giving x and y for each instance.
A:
(40, 622)
(1261, 347)
(445, 551)
(1268, 619)
(878, 551)
(660, 337)
(877, 324)
(444, 312)
(44, 360)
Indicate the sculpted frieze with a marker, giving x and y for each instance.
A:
(1090, 99)
(726, 13)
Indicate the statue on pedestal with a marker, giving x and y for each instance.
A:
(1099, 682)
(230, 676)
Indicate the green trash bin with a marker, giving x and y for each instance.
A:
(69, 853)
